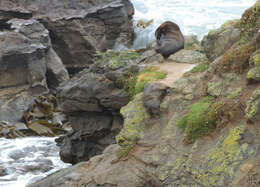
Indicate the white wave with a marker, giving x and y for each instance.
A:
(193, 16)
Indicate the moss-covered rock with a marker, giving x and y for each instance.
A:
(191, 42)
(217, 41)
(221, 163)
(254, 74)
(134, 83)
(253, 106)
(200, 120)
(188, 57)
(224, 85)
(115, 59)
(201, 67)
(135, 120)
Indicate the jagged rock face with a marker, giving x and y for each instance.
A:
(22, 62)
(27, 64)
(92, 99)
(218, 41)
(78, 28)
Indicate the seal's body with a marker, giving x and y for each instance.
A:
(169, 39)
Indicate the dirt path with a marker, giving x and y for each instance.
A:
(174, 71)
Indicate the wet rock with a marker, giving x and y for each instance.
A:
(40, 165)
(17, 154)
(13, 107)
(218, 41)
(3, 171)
(153, 95)
(77, 28)
(188, 56)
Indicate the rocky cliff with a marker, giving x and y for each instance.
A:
(202, 131)
(41, 43)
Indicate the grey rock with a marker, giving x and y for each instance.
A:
(3, 171)
(218, 41)
(188, 56)
(77, 28)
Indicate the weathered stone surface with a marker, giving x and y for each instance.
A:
(14, 105)
(224, 85)
(253, 106)
(29, 69)
(191, 42)
(254, 74)
(188, 56)
(77, 28)
(56, 71)
(90, 92)
(3, 171)
(92, 100)
(30, 42)
(218, 41)
(153, 95)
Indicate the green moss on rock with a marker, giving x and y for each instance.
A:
(201, 67)
(135, 119)
(135, 83)
(256, 60)
(253, 106)
(222, 162)
(116, 59)
(254, 74)
(235, 93)
(200, 120)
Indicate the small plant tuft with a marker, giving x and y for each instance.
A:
(200, 120)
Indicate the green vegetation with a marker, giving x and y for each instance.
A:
(148, 75)
(200, 120)
(124, 151)
(135, 120)
(134, 84)
(201, 67)
(116, 59)
(257, 7)
(236, 59)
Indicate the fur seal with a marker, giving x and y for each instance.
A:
(169, 39)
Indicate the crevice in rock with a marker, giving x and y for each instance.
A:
(4, 25)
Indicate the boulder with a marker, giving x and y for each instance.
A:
(188, 56)
(3, 171)
(191, 42)
(35, 31)
(77, 28)
(218, 41)
(22, 62)
(92, 100)
(13, 105)
(253, 107)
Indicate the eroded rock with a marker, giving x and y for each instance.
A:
(218, 41)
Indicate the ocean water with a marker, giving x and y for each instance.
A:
(193, 16)
(27, 160)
